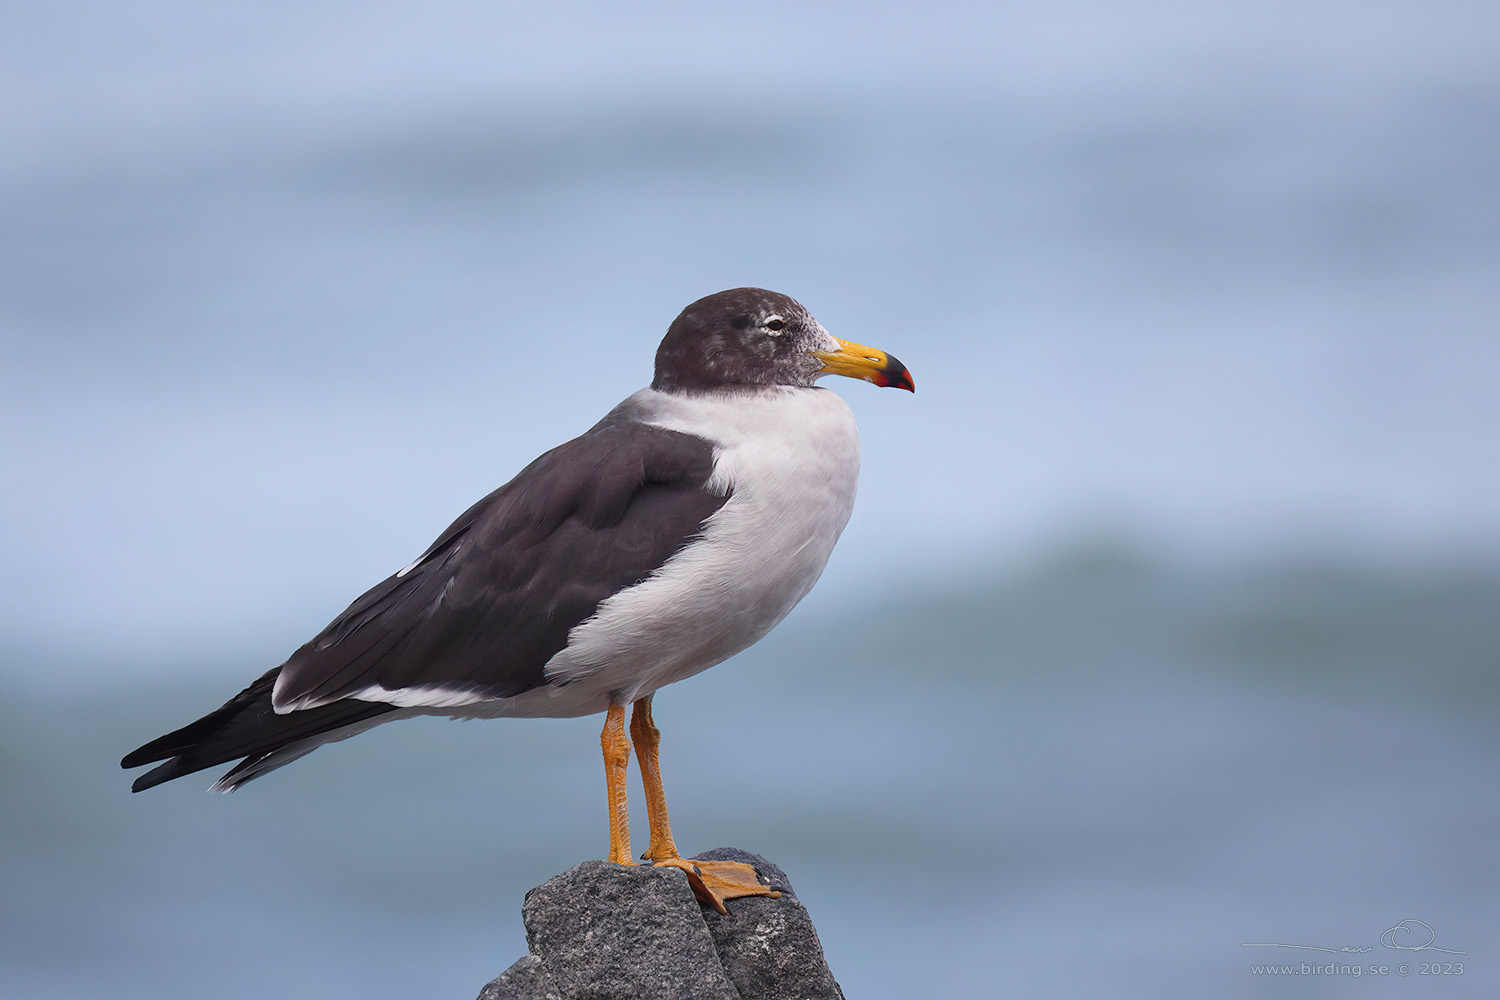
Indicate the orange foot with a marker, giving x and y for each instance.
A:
(717, 881)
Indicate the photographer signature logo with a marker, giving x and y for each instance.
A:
(1408, 935)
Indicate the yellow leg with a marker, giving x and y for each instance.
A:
(647, 740)
(616, 747)
(712, 881)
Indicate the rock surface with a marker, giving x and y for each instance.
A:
(603, 931)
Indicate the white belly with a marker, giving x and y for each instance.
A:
(789, 458)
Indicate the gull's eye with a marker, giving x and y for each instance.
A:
(775, 324)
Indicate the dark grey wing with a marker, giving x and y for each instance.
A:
(494, 598)
(482, 610)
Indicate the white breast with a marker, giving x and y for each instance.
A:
(789, 458)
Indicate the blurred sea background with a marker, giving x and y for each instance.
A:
(1169, 618)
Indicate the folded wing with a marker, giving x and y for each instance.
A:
(480, 613)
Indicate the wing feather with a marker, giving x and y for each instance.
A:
(481, 611)
(494, 598)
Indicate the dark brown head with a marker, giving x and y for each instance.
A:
(750, 336)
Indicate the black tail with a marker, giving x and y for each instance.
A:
(246, 726)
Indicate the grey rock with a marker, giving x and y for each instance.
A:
(769, 946)
(525, 980)
(603, 931)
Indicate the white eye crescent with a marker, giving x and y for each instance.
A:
(774, 324)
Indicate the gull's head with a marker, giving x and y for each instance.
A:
(751, 336)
